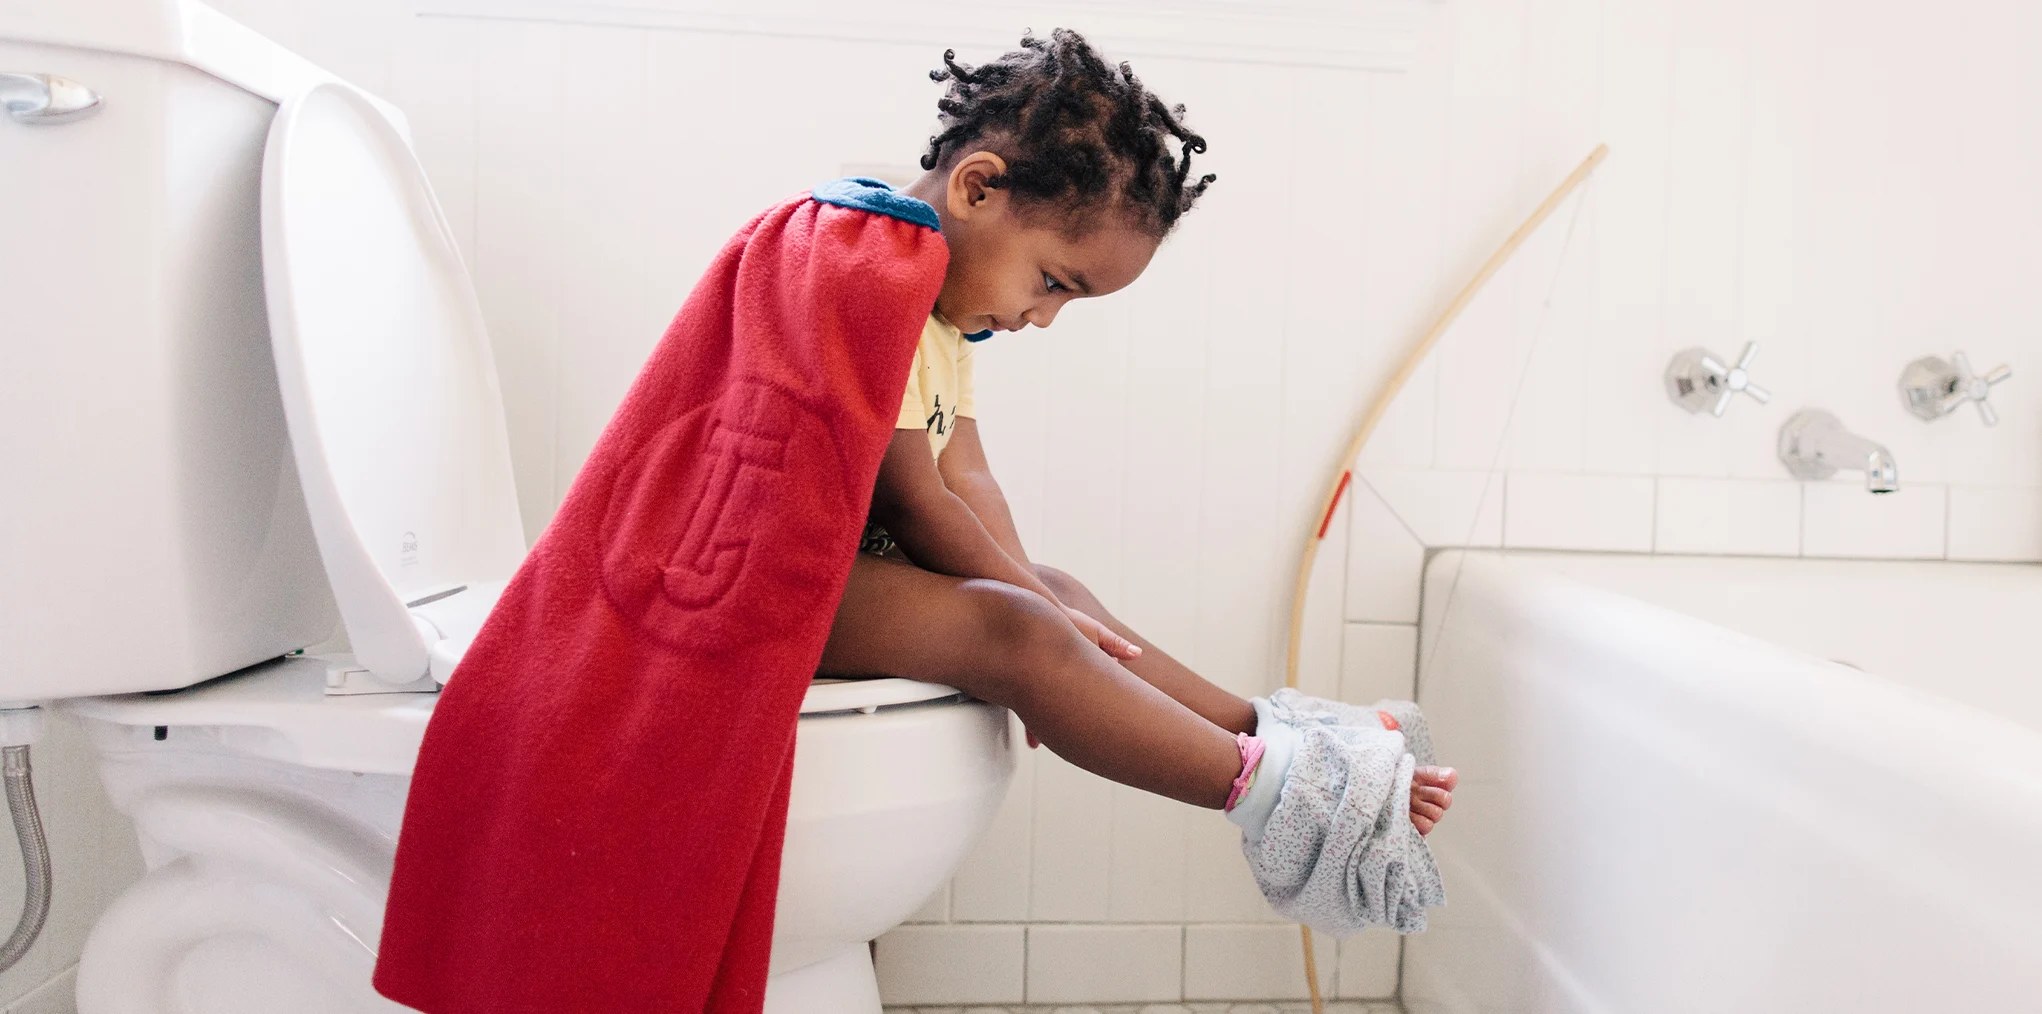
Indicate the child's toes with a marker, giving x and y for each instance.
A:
(1433, 795)
(1425, 814)
(1445, 778)
(1429, 804)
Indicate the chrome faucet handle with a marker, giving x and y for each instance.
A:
(1934, 387)
(1696, 379)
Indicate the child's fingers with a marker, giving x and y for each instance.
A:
(1445, 778)
(1422, 823)
(1429, 811)
(1100, 634)
(1118, 646)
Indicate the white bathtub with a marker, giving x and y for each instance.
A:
(1674, 798)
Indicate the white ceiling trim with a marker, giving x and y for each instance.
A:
(1349, 34)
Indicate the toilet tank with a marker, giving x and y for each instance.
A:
(152, 530)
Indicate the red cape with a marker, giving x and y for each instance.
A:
(596, 816)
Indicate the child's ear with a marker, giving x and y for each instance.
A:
(969, 195)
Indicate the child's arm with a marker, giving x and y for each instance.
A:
(964, 470)
(939, 531)
(935, 527)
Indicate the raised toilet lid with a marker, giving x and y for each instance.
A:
(280, 711)
(388, 385)
(397, 427)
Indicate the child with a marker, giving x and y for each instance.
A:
(596, 816)
(1053, 179)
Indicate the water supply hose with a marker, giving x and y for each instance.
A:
(35, 855)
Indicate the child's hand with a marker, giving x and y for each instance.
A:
(1098, 633)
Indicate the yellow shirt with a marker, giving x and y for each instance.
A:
(939, 384)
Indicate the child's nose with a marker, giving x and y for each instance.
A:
(1041, 316)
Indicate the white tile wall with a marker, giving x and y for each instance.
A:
(952, 964)
(94, 856)
(1551, 511)
(1750, 517)
(1369, 965)
(1149, 858)
(1441, 507)
(936, 909)
(1380, 660)
(57, 996)
(1995, 524)
(1217, 886)
(1841, 519)
(1765, 183)
(993, 883)
(1252, 963)
(1384, 561)
(1105, 964)
(1073, 843)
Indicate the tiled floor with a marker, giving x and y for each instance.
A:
(1288, 1007)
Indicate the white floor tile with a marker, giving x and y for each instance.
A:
(1752, 517)
(951, 964)
(1251, 963)
(1599, 512)
(1105, 964)
(1995, 524)
(1840, 518)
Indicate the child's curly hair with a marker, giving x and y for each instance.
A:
(1075, 134)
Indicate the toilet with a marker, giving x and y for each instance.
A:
(266, 408)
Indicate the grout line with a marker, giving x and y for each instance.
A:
(1801, 531)
(1654, 543)
(1946, 521)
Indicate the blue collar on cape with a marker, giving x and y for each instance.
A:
(867, 194)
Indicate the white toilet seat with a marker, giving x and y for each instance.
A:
(281, 711)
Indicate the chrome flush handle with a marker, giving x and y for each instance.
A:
(1933, 387)
(1696, 379)
(46, 98)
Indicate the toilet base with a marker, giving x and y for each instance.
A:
(843, 984)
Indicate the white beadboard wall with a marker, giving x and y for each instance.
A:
(1850, 184)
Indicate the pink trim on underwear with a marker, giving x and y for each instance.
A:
(1251, 755)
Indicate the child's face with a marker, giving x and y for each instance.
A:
(1009, 270)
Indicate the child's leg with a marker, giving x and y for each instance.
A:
(1172, 677)
(1012, 647)
(1431, 787)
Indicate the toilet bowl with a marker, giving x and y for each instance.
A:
(268, 813)
(301, 278)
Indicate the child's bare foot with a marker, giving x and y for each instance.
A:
(1432, 791)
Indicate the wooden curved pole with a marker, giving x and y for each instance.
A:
(1344, 473)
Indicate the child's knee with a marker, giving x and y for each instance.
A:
(1017, 630)
(1063, 586)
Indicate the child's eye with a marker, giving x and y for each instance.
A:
(1051, 284)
